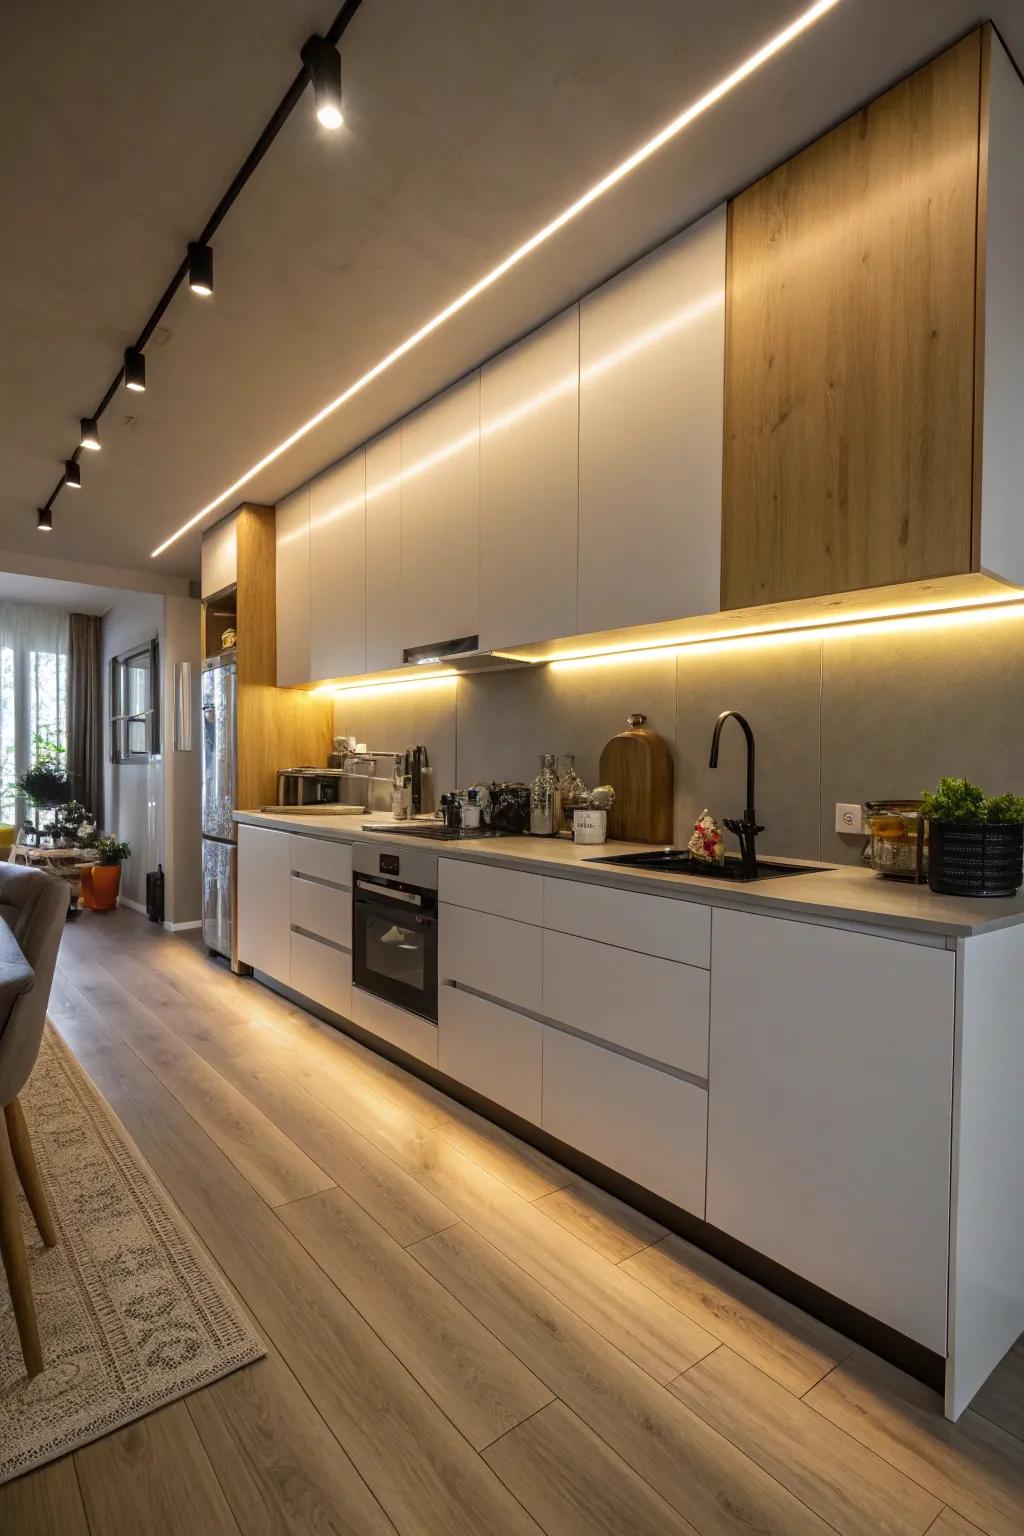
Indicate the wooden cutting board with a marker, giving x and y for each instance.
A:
(638, 765)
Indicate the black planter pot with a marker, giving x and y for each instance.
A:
(979, 859)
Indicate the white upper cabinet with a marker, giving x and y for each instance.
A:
(529, 478)
(384, 551)
(220, 556)
(292, 568)
(652, 361)
(337, 560)
(441, 518)
(573, 484)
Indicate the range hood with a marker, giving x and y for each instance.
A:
(462, 655)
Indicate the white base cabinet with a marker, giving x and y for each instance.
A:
(645, 1124)
(492, 955)
(322, 972)
(406, 1030)
(650, 1007)
(838, 1101)
(492, 1050)
(322, 910)
(830, 1111)
(264, 923)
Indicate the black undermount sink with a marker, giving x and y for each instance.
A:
(679, 861)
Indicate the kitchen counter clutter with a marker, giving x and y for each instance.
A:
(840, 893)
(816, 1078)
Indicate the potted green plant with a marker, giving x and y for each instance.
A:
(46, 783)
(975, 843)
(102, 881)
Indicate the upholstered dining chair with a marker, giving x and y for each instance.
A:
(33, 907)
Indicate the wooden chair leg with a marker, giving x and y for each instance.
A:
(12, 1246)
(28, 1172)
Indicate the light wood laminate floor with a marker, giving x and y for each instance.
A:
(463, 1339)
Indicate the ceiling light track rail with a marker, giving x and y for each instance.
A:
(285, 107)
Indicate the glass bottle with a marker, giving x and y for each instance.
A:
(573, 793)
(545, 809)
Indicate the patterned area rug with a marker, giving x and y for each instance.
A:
(132, 1313)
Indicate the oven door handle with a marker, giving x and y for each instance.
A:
(385, 893)
(419, 919)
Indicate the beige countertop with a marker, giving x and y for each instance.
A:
(842, 893)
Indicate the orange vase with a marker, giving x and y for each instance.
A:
(100, 885)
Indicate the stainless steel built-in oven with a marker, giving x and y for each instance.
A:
(394, 928)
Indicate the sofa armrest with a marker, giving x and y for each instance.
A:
(16, 975)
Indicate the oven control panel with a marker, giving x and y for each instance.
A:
(390, 864)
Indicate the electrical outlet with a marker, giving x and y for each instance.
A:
(849, 818)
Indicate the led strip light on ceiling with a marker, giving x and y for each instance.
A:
(748, 67)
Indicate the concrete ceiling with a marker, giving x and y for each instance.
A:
(68, 596)
(469, 123)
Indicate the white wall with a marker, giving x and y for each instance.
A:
(133, 792)
(182, 844)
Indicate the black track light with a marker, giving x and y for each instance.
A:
(90, 434)
(72, 475)
(324, 66)
(44, 519)
(134, 369)
(200, 268)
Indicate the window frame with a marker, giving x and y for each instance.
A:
(121, 719)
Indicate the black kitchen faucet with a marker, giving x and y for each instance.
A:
(747, 828)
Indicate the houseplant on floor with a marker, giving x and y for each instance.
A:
(975, 843)
(102, 881)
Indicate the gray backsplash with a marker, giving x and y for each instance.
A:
(860, 715)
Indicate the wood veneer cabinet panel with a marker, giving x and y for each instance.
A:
(277, 727)
(850, 340)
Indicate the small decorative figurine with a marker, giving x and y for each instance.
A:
(708, 840)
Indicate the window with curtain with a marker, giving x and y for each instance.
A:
(33, 693)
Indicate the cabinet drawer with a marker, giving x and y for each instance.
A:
(406, 1030)
(321, 859)
(653, 925)
(491, 1049)
(322, 909)
(322, 973)
(502, 892)
(641, 1122)
(657, 1008)
(491, 954)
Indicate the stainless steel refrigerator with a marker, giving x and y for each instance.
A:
(219, 793)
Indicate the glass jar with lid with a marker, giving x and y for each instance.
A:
(897, 839)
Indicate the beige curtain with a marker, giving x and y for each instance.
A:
(85, 712)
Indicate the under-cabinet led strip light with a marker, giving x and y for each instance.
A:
(958, 614)
(748, 67)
